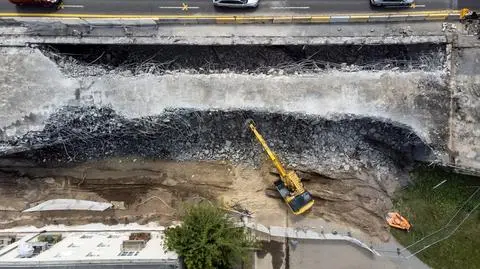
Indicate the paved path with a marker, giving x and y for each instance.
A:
(318, 254)
(309, 254)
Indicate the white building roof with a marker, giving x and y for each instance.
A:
(79, 247)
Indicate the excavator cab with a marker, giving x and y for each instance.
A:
(289, 186)
(299, 204)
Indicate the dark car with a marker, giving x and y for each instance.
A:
(42, 3)
(392, 3)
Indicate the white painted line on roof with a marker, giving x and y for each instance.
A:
(189, 7)
(289, 7)
(73, 6)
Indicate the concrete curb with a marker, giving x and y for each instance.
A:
(276, 232)
(446, 15)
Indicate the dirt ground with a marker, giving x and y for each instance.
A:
(155, 190)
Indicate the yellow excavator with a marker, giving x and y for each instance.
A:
(289, 185)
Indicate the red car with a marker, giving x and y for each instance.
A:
(43, 3)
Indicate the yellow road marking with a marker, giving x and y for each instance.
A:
(359, 18)
(282, 19)
(438, 16)
(322, 19)
(301, 19)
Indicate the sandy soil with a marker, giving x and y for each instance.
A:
(155, 190)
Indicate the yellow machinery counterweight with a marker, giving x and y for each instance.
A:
(289, 186)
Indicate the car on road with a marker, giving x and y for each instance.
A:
(391, 3)
(236, 3)
(42, 3)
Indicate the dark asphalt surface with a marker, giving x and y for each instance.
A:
(205, 7)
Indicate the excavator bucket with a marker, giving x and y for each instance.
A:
(298, 204)
(396, 220)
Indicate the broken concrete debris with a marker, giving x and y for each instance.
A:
(76, 134)
(69, 204)
(132, 60)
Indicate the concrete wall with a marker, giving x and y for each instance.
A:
(465, 118)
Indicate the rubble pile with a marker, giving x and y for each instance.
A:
(341, 143)
(97, 60)
(472, 24)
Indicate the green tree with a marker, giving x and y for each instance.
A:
(208, 238)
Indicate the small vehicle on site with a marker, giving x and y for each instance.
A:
(392, 3)
(236, 3)
(42, 3)
(396, 220)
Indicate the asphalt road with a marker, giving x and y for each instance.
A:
(205, 7)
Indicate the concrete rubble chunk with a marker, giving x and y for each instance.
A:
(69, 204)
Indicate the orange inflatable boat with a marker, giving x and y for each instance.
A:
(396, 220)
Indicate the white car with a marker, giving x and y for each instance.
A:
(236, 3)
(391, 3)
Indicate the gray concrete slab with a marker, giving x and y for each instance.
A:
(43, 31)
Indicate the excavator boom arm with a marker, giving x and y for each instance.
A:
(273, 157)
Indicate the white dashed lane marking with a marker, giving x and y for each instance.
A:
(290, 7)
(189, 7)
(73, 6)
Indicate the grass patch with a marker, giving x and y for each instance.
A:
(429, 210)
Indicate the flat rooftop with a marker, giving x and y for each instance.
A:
(91, 247)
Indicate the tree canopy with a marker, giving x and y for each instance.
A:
(208, 238)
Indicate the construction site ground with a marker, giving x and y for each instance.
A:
(155, 190)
